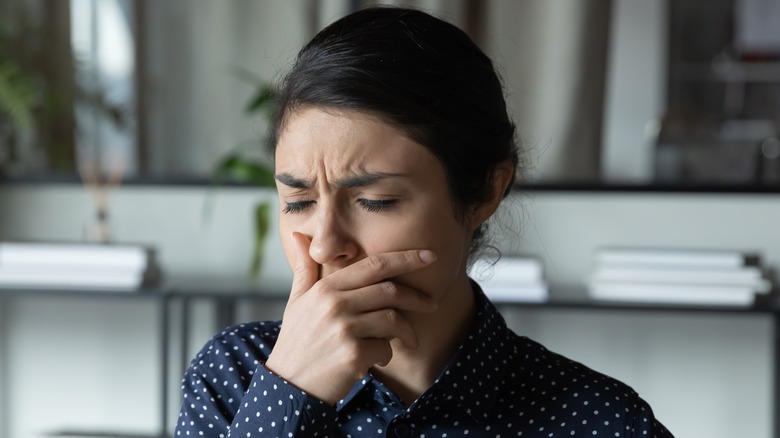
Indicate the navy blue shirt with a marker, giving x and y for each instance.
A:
(498, 384)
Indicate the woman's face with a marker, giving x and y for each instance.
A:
(356, 186)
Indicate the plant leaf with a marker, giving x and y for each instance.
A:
(263, 101)
(17, 95)
(262, 223)
(238, 169)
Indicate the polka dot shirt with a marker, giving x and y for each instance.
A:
(498, 384)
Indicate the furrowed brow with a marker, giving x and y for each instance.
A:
(293, 182)
(367, 179)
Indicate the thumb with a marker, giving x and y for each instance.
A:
(306, 270)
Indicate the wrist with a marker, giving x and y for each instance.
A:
(319, 397)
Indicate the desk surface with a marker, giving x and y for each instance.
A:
(561, 297)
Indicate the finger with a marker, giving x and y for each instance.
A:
(377, 352)
(390, 295)
(379, 267)
(306, 271)
(385, 324)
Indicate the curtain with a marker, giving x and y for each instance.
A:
(552, 57)
(550, 53)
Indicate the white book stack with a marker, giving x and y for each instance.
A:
(677, 276)
(75, 266)
(516, 279)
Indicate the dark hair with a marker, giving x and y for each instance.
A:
(423, 75)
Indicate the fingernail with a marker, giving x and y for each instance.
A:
(427, 256)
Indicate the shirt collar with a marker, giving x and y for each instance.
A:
(475, 374)
(356, 389)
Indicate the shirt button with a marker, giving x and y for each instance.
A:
(402, 430)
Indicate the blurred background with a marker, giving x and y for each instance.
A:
(681, 92)
(645, 123)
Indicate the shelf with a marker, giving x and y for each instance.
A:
(103, 434)
(650, 188)
(594, 186)
(768, 72)
(561, 297)
(232, 292)
(640, 307)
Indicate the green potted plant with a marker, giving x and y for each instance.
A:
(38, 92)
(238, 167)
(17, 102)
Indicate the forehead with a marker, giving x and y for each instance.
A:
(345, 142)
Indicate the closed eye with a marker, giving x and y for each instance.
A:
(297, 206)
(376, 205)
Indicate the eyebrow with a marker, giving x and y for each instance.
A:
(291, 181)
(353, 181)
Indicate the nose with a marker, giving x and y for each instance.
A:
(332, 243)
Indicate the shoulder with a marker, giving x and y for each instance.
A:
(257, 334)
(539, 362)
(567, 389)
(238, 349)
(220, 373)
(540, 367)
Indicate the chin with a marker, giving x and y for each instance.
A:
(429, 281)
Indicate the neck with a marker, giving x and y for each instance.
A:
(410, 373)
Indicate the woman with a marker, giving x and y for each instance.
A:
(393, 148)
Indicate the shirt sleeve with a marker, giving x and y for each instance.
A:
(272, 407)
(202, 411)
(660, 431)
(229, 393)
(644, 424)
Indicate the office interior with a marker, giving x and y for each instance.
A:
(596, 88)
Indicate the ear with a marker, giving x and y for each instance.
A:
(502, 175)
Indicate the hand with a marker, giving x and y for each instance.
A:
(336, 328)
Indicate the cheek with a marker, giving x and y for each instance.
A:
(389, 233)
(386, 235)
(435, 227)
(437, 230)
(285, 235)
(450, 243)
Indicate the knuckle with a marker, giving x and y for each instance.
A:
(319, 288)
(391, 315)
(339, 307)
(353, 360)
(331, 310)
(299, 269)
(324, 293)
(388, 288)
(344, 330)
(412, 257)
(376, 263)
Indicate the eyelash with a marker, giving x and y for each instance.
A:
(370, 205)
(375, 205)
(297, 207)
